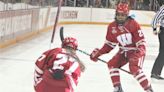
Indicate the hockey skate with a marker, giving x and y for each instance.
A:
(118, 89)
(150, 90)
(158, 77)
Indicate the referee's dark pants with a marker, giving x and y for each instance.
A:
(159, 62)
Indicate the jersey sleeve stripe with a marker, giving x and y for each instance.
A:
(37, 69)
(111, 44)
(72, 68)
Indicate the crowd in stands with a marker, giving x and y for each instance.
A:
(134, 4)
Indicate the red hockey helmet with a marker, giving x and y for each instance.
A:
(122, 8)
(70, 42)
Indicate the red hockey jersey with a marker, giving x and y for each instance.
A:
(49, 62)
(128, 36)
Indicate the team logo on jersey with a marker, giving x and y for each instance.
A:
(114, 30)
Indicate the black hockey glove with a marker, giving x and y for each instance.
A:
(58, 74)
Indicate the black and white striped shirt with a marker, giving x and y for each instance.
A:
(158, 18)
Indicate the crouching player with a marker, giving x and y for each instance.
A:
(126, 33)
(58, 69)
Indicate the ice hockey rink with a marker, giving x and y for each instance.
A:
(17, 61)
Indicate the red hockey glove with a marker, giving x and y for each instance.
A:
(95, 54)
(141, 50)
(138, 53)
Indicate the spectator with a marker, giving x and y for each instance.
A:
(98, 4)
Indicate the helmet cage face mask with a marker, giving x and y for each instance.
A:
(121, 18)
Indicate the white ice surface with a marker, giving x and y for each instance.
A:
(17, 61)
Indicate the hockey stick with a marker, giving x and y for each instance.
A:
(102, 60)
(56, 21)
(53, 33)
(61, 34)
(62, 38)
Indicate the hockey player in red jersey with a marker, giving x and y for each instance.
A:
(127, 34)
(58, 69)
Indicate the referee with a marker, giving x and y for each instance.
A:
(159, 62)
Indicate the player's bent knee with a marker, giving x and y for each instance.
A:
(134, 70)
